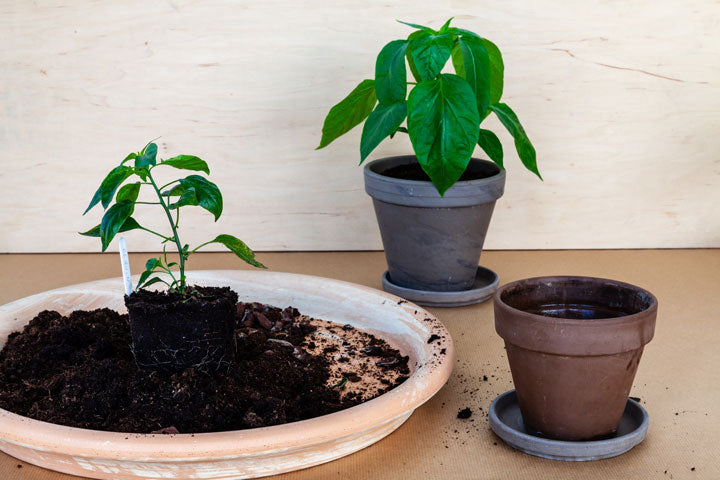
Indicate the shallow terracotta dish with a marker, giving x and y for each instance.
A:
(247, 453)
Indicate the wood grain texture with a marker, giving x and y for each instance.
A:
(622, 101)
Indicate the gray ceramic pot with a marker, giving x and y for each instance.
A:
(431, 242)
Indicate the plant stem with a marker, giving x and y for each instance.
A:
(174, 231)
(198, 247)
(155, 233)
(168, 184)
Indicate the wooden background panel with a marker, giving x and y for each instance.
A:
(621, 99)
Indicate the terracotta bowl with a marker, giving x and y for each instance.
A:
(246, 453)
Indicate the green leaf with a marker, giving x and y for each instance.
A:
(419, 27)
(130, 156)
(410, 61)
(113, 221)
(93, 232)
(490, 143)
(382, 122)
(187, 162)
(149, 282)
(497, 70)
(430, 52)
(152, 263)
(525, 150)
(110, 183)
(188, 197)
(142, 173)
(175, 191)
(462, 31)
(207, 194)
(352, 110)
(239, 248)
(129, 224)
(390, 73)
(443, 123)
(445, 28)
(143, 277)
(147, 156)
(472, 62)
(128, 192)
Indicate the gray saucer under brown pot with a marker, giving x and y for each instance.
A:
(574, 345)
(432, 243)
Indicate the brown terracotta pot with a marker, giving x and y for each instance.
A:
(574, 344)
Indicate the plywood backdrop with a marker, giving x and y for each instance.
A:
(621, 98)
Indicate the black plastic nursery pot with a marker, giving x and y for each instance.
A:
(171, 332)
(433, 242)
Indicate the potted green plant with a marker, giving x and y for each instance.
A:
(182, 326)
(434, 207)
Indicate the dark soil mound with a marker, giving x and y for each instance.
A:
(79, 371)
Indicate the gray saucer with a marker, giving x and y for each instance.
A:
(506, 422)
(486, 282)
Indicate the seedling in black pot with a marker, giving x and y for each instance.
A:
(182, 326)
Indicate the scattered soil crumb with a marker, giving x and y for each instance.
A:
(464, 413)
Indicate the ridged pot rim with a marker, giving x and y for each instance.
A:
(600, 336)
(422, 193)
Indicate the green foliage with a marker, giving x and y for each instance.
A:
(390, 73)
(430, 52)
(443, 111)
(443, 129)
(351, 111)
(193, 190)
(383, 121)
(188, 162)
(490, 143)
(472, 62)
(522, 143)
(201, 192)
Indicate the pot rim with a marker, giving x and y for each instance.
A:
(422, 193)
(497, 297)
(376, 161)
(574, 337)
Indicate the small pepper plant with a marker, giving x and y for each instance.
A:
(443, 110)
(193, 190)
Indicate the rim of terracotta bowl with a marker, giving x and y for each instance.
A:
(185, 447)
(597, 336)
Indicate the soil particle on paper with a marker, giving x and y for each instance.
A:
(464, 413)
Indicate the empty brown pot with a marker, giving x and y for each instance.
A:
(574, 345)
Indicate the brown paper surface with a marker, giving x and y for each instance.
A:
(678, 379)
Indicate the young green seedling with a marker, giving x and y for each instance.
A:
(193, 190)
(443, 110)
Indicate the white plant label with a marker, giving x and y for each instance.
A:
(125, 264)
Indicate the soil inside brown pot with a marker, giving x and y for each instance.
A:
(78, 370)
